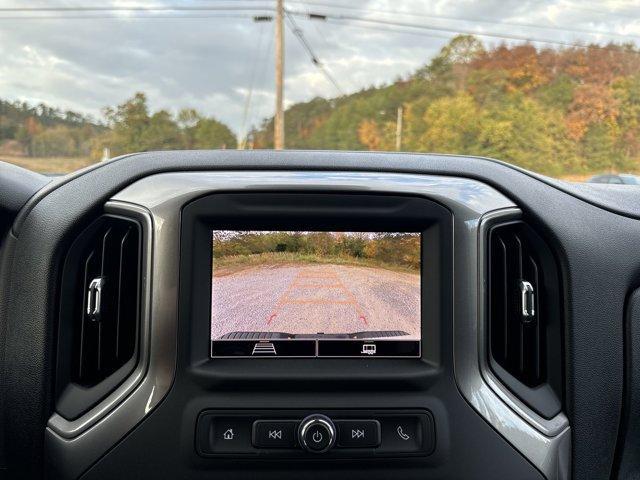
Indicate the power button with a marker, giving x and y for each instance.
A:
(317, 433)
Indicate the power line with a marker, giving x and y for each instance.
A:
(262, 76)
(247, 103)
(135, 17)
(379, 28)
(164, 8)
(316, 26)
(328, 16)
(419, 26)
(297, 31)
(178, 8)
(466, 19)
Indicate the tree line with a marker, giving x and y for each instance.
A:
(402, 249)
(556, 111)
(42, 130)
(130, 127)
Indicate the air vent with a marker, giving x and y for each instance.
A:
(100, 312)
(108, 317)
(524, 314)
(516, 340)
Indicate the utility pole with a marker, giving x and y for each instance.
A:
(399, 130)
(278, 127)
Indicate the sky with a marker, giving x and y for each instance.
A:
(211, 60)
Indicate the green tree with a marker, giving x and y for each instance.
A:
(55, 141)
(128, 123)
(452, 125)
(627, 91)
(187, 119)
(521, 131)
(134, 129)
(160, 133)
(452, 65)
(210, 133)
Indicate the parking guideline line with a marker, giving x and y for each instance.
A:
(304, 273)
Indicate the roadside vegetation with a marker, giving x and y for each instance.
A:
(39, 136)
(236, 263)
(557, 111)
(565, 112)
(234, 252)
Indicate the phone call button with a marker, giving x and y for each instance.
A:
(407, 434)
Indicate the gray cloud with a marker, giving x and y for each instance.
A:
(207, 63)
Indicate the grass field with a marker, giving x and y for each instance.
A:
(231, 264)
(48, 164)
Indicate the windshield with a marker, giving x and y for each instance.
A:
(550, 86)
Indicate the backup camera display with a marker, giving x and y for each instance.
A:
(315, 294)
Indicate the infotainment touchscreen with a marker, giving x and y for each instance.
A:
(315, 294)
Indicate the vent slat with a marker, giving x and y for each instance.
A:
(538, 345)
(522, 349)
(83, 326)
(519, 255)
(505, 299)
(121, 283)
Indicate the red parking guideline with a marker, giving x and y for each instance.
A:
(304, 280)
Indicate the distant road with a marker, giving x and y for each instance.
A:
(316, 298)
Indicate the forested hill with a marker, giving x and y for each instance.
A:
(555, 111)
(26, 128)
(14, 114)
(43, 131)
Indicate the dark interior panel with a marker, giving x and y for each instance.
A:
(627, 464)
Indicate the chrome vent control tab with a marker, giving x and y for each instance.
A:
(94, 298)
(528, 301)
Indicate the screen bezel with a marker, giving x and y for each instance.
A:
(317, 345)
(314, 210)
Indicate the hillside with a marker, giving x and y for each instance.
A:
(562, 111)
(27, 130)
(556, 111)
(47, 139)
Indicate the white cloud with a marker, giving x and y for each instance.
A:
(207, 63)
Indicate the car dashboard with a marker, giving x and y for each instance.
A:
(122, 356)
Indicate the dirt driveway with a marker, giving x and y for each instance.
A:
(316, 298)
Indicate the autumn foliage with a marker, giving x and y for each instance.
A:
(554, 110)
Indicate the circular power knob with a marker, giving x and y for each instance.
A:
(317, 433)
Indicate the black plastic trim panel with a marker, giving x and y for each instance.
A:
(628, 460)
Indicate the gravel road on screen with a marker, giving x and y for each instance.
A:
(316, 298)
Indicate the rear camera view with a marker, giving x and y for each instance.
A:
(309, 294)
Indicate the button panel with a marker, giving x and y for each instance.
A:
(333, 434)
